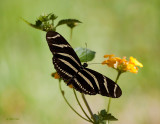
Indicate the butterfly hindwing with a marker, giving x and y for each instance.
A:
(81, 87)
(106, 87)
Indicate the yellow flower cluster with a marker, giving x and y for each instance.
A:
(122, 65)
(56, 76)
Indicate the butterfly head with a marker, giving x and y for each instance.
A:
(85, 65)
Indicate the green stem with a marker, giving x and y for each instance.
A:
(62, 92)
(71, 33)
(109, 102)
(52, 24)
(119, 73)
(88, 107)
(81, 105)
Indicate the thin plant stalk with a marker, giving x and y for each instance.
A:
(62, 92)
(109, 102)
(81, 105)
(88, 107)
(71, 33)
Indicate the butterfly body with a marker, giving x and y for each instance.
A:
(70, 69)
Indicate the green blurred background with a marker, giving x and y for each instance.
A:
(29, 94)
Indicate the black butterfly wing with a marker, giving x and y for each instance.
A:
(68, 66)
(103, 85)
(83, 83)
(65, 60)
(90, 82)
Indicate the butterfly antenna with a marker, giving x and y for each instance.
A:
(93, 63)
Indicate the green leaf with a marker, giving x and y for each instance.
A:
(107, 116)
(69, 22)
(44, 22)
(84, 54)
(96, 117)
(47, 17)
(102, 117)
(110, 117)
(38, 23)
(99, 119)
(53, 16)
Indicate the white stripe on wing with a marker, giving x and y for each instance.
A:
(86, 79)
(69, 56)
(54, 37)
(69, 65)
(115, 90)
(105, 84)
(61, 45)
(95, 79)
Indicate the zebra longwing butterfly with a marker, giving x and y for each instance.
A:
(70, 69)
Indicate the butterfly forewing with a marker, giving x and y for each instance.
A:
(65, 60)
(58, 45)
(69, 67)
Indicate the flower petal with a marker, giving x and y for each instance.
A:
(110, 56)
(135, 62)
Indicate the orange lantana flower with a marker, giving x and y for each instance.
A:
(56, 76)
(122, 65)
